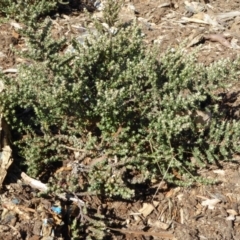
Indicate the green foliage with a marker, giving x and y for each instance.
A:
(138, 118)
(25, 10)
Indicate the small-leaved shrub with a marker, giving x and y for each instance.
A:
(26, 10)
(138, 118)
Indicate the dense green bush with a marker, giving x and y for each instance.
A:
(137, 117)
(25, 10)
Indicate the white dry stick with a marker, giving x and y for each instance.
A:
(76, 200)
(43, 187)
(33, 182)
(16, 25)
(227, 15)
(10, 70)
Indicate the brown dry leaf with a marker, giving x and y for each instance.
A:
(176, 174)
(57, 220)
(116, 134)
(170, 193)
(148, 208)
(15, 35)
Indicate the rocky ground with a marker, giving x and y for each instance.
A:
(162, 211)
